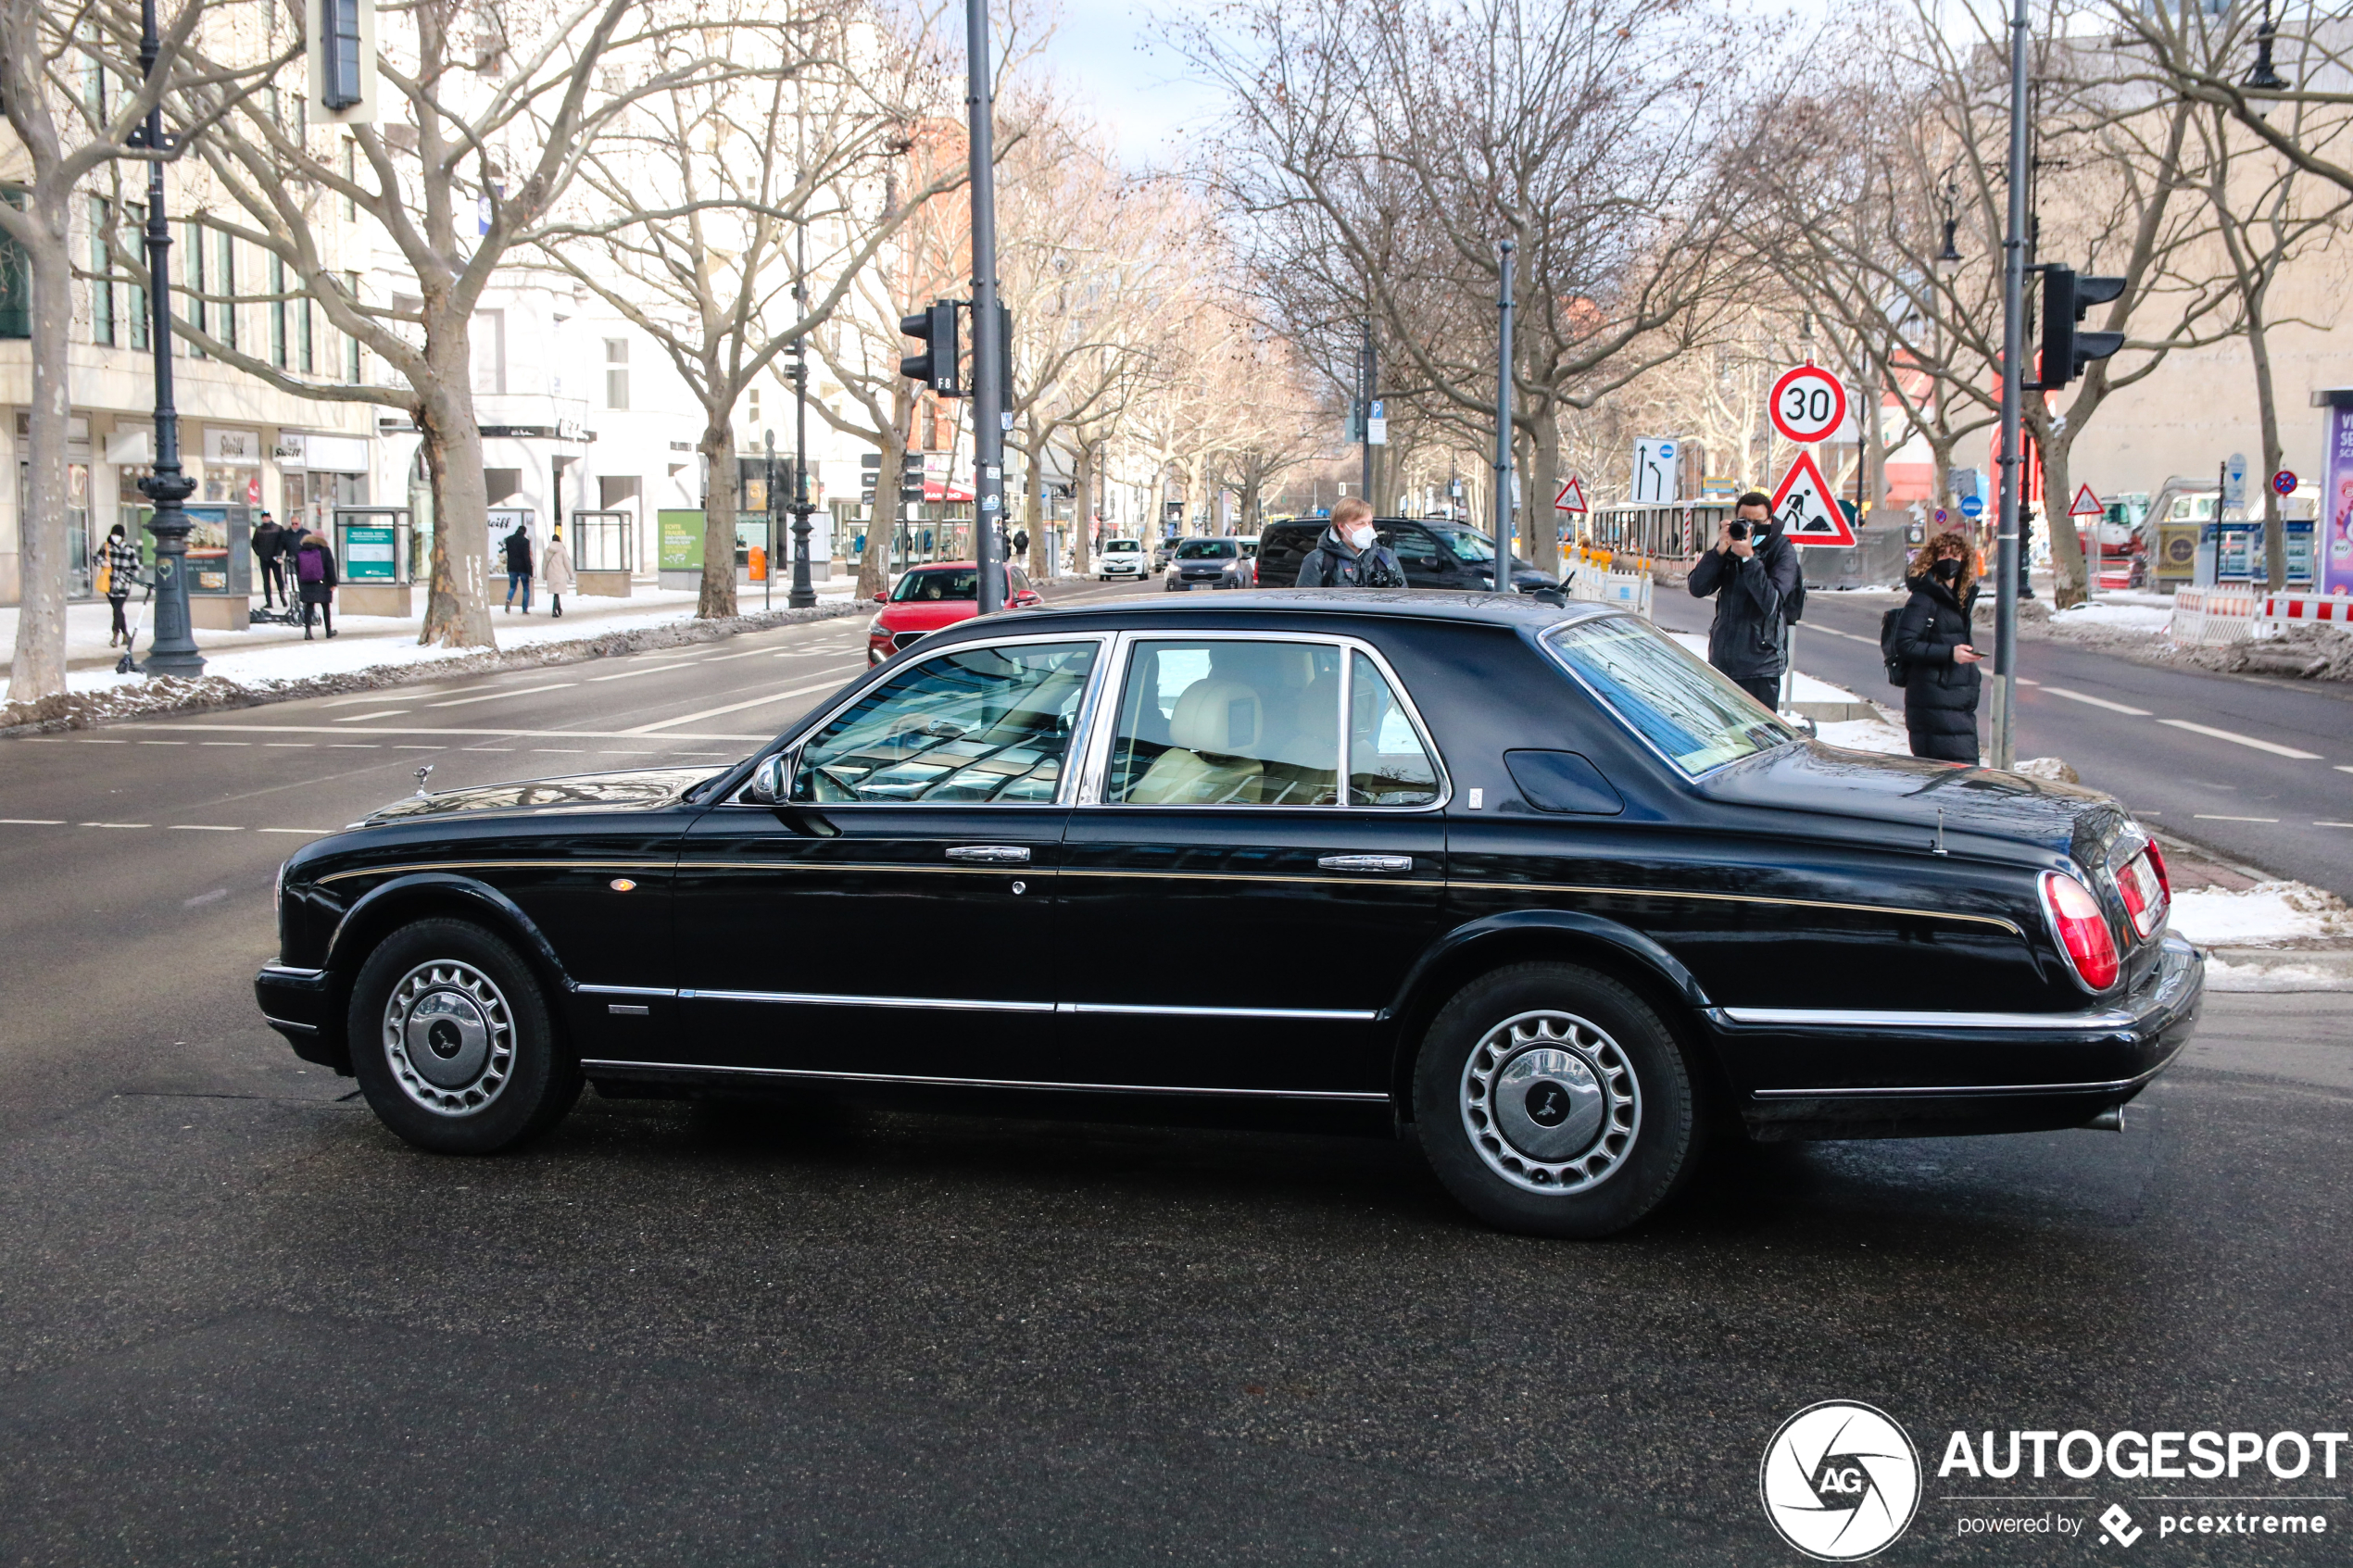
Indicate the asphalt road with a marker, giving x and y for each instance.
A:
(239, 1322)
(2258, 770)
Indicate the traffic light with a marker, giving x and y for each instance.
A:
(2067, 300)
(937, 366)
(911, 477)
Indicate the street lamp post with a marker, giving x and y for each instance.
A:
(1503, 583)
(768, 501)
(173, 649)
(802, 595)
(2009, 557)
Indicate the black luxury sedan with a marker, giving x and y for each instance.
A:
(1529, 878)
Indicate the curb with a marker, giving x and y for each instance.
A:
(211, 694)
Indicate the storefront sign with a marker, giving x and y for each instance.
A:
(239, 447)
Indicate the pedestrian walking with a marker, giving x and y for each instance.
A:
(118, 571)
(1350, 554)
(315, 580)
(518, 547)
(555, 566)
(1929, 641)
(269, 545)
(1752, 572)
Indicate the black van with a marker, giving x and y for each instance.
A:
(1435, 553)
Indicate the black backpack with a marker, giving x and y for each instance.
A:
(1899, 670)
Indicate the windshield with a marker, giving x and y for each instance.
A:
(1476, 548)
(1122, 547)
(960, 582)
(1205, 549)
(1693, 714)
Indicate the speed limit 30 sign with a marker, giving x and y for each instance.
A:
(1808, 404)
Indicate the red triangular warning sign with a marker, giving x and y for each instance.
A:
(2086, 504)
(1805, 508)
(1572, 499)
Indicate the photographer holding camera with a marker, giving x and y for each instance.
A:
(1752, 572)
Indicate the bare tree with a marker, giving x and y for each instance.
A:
(2237, 62)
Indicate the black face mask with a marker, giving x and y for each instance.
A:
(1947, 570)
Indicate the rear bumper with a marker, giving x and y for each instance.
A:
(1805, 1073)
(299, 1004)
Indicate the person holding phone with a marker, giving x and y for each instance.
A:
(1942, 680)
(1753, 574)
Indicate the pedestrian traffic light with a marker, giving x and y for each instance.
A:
(2067, 300)
(937, 366)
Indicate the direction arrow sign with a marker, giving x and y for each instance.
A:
(1805, 508)
(2085, 504)
(1572, 499)
(1808, 403)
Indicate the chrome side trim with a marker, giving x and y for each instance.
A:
(627, 990)
(824, 1000)
(1350, 1096)
(1318, 1015)
(1842, 1018)
(291, 972)
(289, 1023)
(1996, 920)
(406, 867)
(1971, 1091)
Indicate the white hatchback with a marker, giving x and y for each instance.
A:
(1123, 558)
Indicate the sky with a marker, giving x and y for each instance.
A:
(1115, 55)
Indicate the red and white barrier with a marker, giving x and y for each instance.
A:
(2298, 609)
(2212, 617)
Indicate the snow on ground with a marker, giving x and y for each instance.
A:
(2108, 615)
(2267, 914)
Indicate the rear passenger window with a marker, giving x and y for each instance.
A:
(1388, 765)
(1228, 723)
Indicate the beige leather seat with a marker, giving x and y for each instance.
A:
(1215, 724)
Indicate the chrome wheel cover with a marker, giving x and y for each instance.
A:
(449, 1037)
(1551, 1102)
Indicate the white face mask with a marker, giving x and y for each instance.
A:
(1360, 537)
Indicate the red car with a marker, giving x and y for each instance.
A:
(932, 596)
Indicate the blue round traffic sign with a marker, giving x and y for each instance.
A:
(1972, 506)
(2284, 482)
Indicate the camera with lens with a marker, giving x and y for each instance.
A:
(1738, 529)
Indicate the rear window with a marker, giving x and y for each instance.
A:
(1207, 549)
(1693, 715)
(936, 584)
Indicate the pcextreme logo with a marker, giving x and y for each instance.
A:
(1841, 1481)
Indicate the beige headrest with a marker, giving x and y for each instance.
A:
(1219, 716)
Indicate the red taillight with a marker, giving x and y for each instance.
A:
(2157, 862)
(2083, 930)
(2144, 895)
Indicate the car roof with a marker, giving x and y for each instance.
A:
(1486, 609)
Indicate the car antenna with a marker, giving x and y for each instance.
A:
(1938, 847)
(426, 771)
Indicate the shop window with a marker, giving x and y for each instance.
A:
(502, 484)
(616, 372)
(16, 279)
(102, 316)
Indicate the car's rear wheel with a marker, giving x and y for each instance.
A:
(452, 1042)
(1550, 1100)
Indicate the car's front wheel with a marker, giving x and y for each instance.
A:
(1550, 1100)
(452, 1042)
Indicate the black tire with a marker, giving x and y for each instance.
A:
(503, 1078)
(1616, 1133)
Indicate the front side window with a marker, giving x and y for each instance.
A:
(1695, 716)
(977, 724)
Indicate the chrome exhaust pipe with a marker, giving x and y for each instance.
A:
(2108, 1121)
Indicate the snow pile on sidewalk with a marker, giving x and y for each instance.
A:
(2266, 915)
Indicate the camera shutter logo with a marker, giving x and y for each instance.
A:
(1841, 1481)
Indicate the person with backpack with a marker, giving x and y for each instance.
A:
(1926, 644)
(555, 565)
(1350, 554)
(518, 548)
(1760, 591)
(315, 581)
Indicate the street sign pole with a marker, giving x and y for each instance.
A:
(1369, 369)
(989, 346)
(1502, 583)
(2007, 564)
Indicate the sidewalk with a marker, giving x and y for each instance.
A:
(369, 641)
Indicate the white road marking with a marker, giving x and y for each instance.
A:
(224, 743)
(2210, 817)
(493, 697)
(2243, 740)
(291, 745)
(1834, 631)
(2332, 824)
(34, 821)
(408, 745)
(647, 670)
(310, 833)
(366, 717)
(93, 740)
(355, 746)
(163, 743)
(2098, 702)
(2021, 680)
(2343, 768)
(202, 827)
(565, 750)
(735, 707)
(117, 825)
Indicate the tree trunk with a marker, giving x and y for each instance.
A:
(1082, 511)
(1033, 506)
(458, 604)
(882, 526)
(2268, 411)
(40, 666)
(1540, 522)
(1940, 458)
(2067, 545)
(718, 448)
(1872, 454)
(1253, 490)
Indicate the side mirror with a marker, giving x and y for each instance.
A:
(1026, 597)
(882, 599)
(770, 780)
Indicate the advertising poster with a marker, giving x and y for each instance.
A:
(680, 539)
(2336, 505)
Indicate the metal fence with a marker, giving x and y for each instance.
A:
(1681, 528)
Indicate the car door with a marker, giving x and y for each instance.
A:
(889, 918)
(1283, 863)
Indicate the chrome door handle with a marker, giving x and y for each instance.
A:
(994, 854)
(1366, 862)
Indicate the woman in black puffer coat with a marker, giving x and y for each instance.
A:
(1933, 639)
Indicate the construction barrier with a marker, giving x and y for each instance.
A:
(2305, 609)
(2212, 616)
(1626, 590)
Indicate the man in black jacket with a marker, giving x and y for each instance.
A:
(1349, 554)
(268, 543)
(1752, 572)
